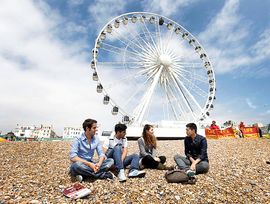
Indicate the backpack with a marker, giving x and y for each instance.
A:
(179, 176)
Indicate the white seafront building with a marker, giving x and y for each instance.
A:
(72, 132)
(42, 131)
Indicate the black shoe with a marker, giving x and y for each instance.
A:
(108, 175)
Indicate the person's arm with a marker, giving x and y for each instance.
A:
(154, 152)
(201, 156)
(186, 149)
(105, 146)
(74, 155)
(141, 145)
(203, 147)
(194, 163)
(78, 159)
(101, 156)
(124, 153)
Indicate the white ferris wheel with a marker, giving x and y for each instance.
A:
(149, 67)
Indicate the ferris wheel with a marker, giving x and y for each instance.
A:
(149, 67)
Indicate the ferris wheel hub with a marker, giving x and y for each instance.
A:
(165, 60)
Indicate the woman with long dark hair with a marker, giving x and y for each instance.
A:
(147, 146)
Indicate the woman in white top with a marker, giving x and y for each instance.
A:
(147, 146)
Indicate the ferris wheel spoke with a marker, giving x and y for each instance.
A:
(181, 113)
(183, 72)
(158, 35)
(177, 96)
(152, 48)
(174, 90)
(168, 40)
(179, 82)
(138, 38)
(183, 95)
(132, 51)
(118, 50)
(135, 37)
(127, 78)
(194, 65)
(119, 63)
(168, 96)
(147, 70)
(140, 111)
(151, 73)
(195, 87)
(139, 89)
(151, 37)
(126, 38)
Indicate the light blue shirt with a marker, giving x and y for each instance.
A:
(81, 148)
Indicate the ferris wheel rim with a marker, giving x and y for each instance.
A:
(213, 86)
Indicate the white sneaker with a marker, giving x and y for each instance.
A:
(122, 176)
(79, 178)
(136, 173)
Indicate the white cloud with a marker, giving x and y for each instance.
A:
(42, 80)
(261, 48)
(225, 37)
(103, 11)
(234, 110)
(165, 7)
(75, 2)
(266, 113)
(250, 104)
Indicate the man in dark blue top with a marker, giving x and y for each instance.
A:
(196, 159)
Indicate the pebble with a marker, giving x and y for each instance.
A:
(177, 197)
(238, 173)
(34, 202)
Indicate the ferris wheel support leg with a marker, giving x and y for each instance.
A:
(147, 97)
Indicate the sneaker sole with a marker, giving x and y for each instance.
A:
(138, 176)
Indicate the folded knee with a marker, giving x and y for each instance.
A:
(76, 165)
(110, 161)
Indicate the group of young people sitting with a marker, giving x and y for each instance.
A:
(114, 154)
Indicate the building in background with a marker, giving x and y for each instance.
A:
(24, 131)
(35, 132)
(71, 132)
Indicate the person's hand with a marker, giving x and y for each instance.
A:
(97, 167)
(193, 167)
(157, 159)
(92, 166)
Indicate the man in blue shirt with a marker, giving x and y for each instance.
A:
(82, 152)
(196, 159)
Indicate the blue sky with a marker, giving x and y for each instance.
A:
(45, 48)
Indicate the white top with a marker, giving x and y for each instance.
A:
(112, 141)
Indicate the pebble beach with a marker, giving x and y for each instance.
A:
(37, 172)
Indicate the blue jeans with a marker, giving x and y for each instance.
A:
(184, 164)
(116, 154)
(79, 168)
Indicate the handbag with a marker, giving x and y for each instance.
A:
(179, 176)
